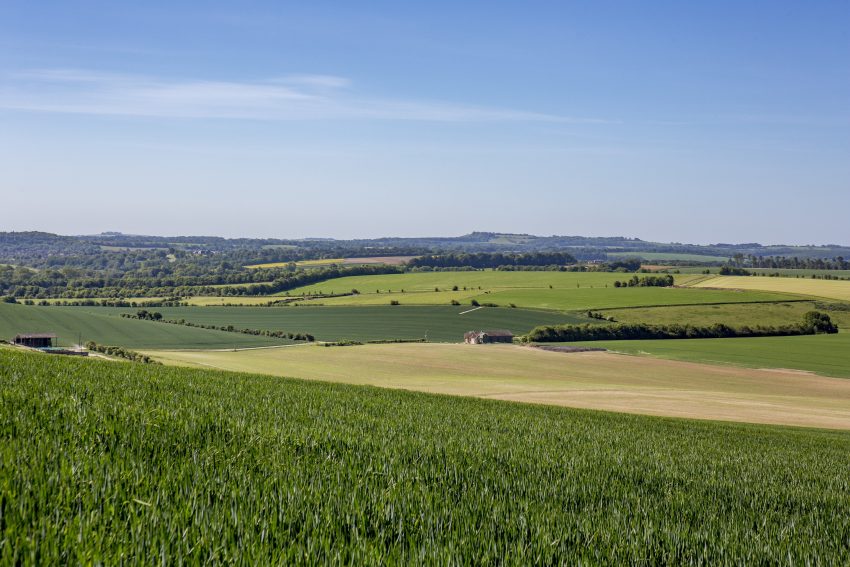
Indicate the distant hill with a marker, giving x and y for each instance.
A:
(17, 247)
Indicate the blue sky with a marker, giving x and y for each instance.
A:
(672, 121)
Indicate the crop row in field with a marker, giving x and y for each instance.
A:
(94, 324)
(440, 323)
(831, 289)
(173, 465)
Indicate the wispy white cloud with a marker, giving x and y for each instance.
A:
(296, 97)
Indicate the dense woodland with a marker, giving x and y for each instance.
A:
(493, 260)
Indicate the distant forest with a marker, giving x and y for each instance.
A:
(43, 265)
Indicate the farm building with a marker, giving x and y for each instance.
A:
(484, 337)
(34, 340)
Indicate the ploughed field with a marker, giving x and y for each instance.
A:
(174, 465)
(597, 380)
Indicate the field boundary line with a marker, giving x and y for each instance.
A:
(471, 310)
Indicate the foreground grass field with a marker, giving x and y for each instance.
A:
(831, 289)
(825, 354)
(166, 465)
(72, 323)
(589, 380)
(440, 323)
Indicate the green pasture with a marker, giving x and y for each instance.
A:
(733, 314)
(599, 298)
(440, 323)
(108, 464)
(95, 324)
(824, 354)
(472, 280)
(562, 291)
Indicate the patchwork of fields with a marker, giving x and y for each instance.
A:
(537, 290)
(202, 466)
(590, 380)
(440, 323)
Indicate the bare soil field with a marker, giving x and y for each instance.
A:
(594, 380)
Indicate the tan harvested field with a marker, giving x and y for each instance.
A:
(831, 289)
(592, 380)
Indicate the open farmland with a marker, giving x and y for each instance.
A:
(800, 273)
(732, 314)
(202, 466)
(444, 323)
(831, 289)
(825, 354)
(591, 380)
(472, 280)
(92, 324)
(568, 291)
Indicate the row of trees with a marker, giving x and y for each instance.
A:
(814, 322)
(492, 260)
(792, 263)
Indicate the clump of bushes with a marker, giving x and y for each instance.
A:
(646, 281)
(727, 270)
(345, 342)
(120, 352)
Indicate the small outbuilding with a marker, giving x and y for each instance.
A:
(486, 337)
(35, 340)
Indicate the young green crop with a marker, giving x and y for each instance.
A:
(441, 323)
(123, 463)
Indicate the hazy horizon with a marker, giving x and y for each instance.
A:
(710, 122)
(428, 236)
